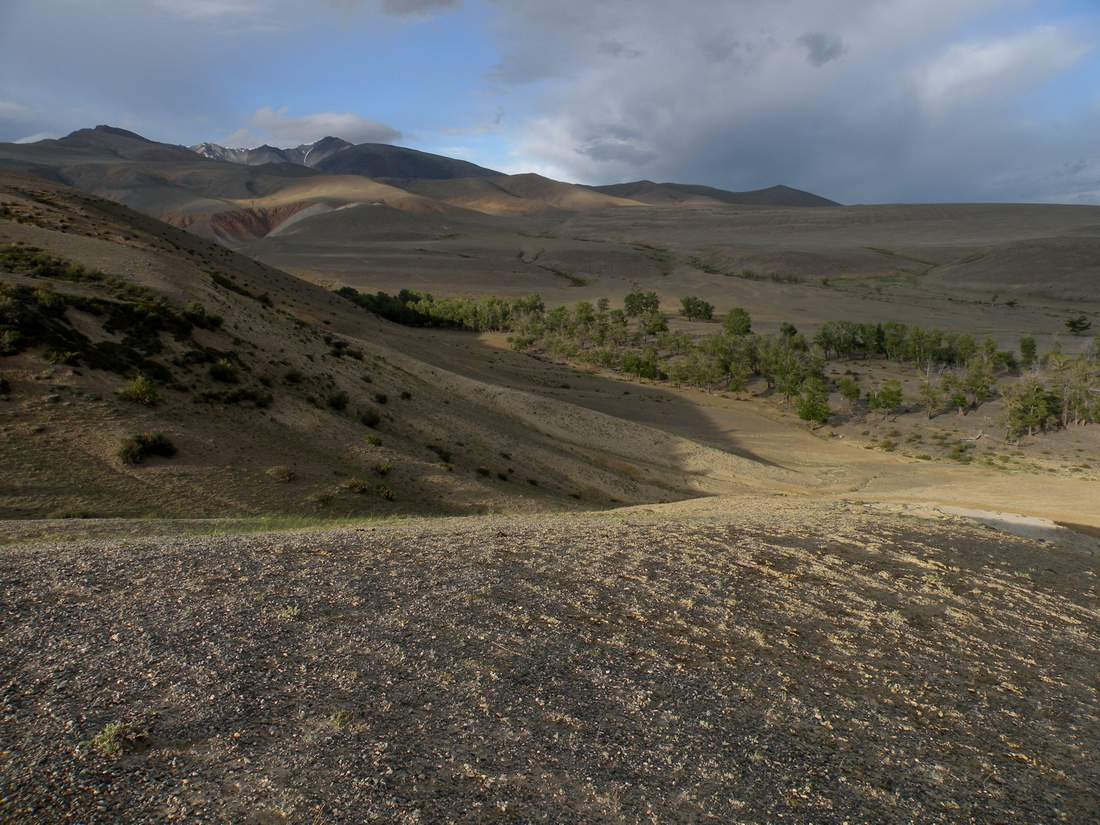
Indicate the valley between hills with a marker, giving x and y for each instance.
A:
(765, 509)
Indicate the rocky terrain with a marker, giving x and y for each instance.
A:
(737, 660)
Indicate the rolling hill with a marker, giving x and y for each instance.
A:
(523, 194)
(647, 191)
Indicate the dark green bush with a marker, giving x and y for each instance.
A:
(196, 313)
(338, 400)
(223, 371)
(136, 448)
(370, 418)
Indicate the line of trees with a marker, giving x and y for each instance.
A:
(960, 372)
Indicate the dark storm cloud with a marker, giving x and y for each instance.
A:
(917, 104)
(821, 47)
(401, 7)
(613, 48)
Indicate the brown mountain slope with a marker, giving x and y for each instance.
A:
(282, 383)
(525, 194)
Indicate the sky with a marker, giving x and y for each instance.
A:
(859, 100)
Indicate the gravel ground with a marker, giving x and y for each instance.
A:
(764, 660)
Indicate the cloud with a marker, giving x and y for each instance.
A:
(731, 93)
(37, 136)
(417, 7)
(997, 69)
(399, 8)
(268, 125)
(10, 110)
(210, 9)
(23, 124)
(822, 47)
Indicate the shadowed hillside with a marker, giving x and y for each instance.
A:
(647, 191)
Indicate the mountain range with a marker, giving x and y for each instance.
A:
(338, 157)
(236, 195)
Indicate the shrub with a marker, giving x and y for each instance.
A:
(1079, 324)
(443, 454)
(384, 492)
(1030, 407)
(406, 395)
(5, 386)
(383, 469)
(641, 303)
(196, 313)
(293, 377)
(1028, 352)
(813, 401)
(115, 736)
(370, 418)
(140, 391)
(338, 400)
(356, 485)
(484, 472)
(696, 309)
(136, 448)
(381, 397)
(849, 390)
(888, 398)
(737, 322)
(223, 371)
(373, 440)
(283, 475)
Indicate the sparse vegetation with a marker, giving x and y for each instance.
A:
(1079, 324)
(117, 736)
(281, 474)
(338, 400)
(223, 371)
(136, 448)
(140, 390)
(442, 454)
